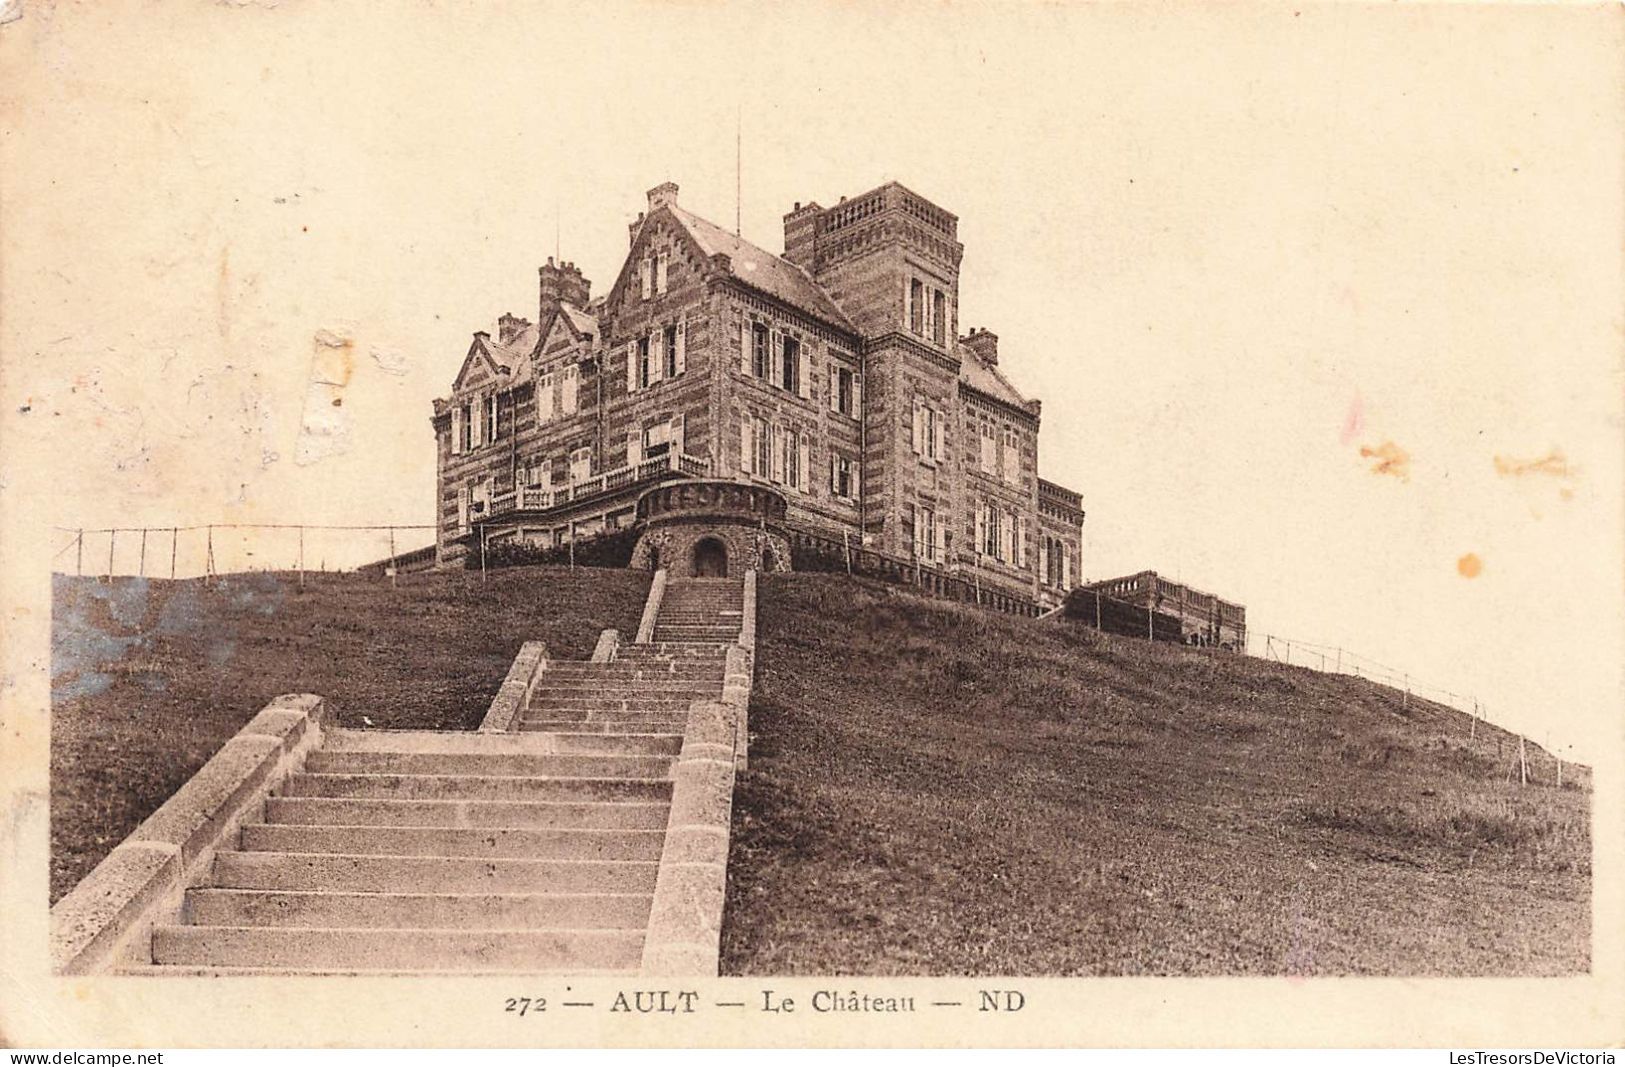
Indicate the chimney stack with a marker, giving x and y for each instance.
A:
(662, 194)
(510, 326)
(801, 234)
(985, 343)
(561, 284)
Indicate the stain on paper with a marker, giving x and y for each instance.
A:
(324, 429)
(1470, 566)
(1553, 465)
(1388, 458)
(1354, 421)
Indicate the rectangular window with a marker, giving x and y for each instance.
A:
(580, 465)
(571, 389)
(1012, 458)
(645, 278)
(792, 459)
(916, 306)
(840, 481)
(990, 451)
(842, 395)
(926, 430)
(490, 419)
(657, 439)
(925, 534)
(670, 351)
(660, 273)
(465, 428)
(544, 399)
(939, 317)
(760, 355)
(644, 366)
(762, 439)
(790, 364)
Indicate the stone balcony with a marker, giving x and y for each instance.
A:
(535, 499)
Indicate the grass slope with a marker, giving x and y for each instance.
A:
(937, 790)
(149, 678)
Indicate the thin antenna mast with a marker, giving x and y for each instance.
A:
(739, 182)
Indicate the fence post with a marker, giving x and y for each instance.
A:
(1098, 627)
(1150, 630)
(301, 557)
(208, 559)
(174, 547)
(1407, 702)
(1523, 763)
(112, 537)
(1559, 770)
(79, 554)
(142, 567)
(846, 543)
(393, 570)
(1472, 730)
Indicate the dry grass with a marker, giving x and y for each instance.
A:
(149, 678)
(935, 789)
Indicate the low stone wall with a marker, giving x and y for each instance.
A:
(608, 646)
(685, 920)
(684, 937)
(105, 921)
(651, 607)
(514, 694)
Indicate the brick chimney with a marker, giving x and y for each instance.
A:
(662, 194)
(985, 343)
(510, 326)
(801, 235)
(562, 284)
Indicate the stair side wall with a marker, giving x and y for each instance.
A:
(107, 919)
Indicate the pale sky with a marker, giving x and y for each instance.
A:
(1227, 248)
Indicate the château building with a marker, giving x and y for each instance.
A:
(835, 374)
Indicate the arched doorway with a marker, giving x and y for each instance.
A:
(710, 558)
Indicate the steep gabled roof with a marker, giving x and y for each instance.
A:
(762, 270)
(986, 378)
(514, 357)
(582, 323)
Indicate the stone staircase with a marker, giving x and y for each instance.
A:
(535, 850)
(700, 610)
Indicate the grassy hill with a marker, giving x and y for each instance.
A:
(149, 678)
(935, 789)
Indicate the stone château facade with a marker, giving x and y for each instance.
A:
(834, 374)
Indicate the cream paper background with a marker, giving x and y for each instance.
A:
(1227, 246)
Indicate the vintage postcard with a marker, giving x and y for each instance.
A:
(812, 524)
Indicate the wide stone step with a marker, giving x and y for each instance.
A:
(667, 653)
(310, 811)
(673, 726)
(474, 787)
(581, 707)
(328, 871)
(497, 842)
(626, 686)
(408, 950)
(488, 764)
(521, 911)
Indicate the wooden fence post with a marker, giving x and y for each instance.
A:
(112, 537)
(208, 559)
(301, 557)
(1523, 764)
(392, 568)
(79, 554)
(174, 547)
(142, 567)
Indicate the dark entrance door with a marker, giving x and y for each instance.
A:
(710, 559)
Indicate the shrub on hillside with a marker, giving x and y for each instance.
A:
(613, 549)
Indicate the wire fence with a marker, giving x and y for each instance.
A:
(1147, 623)
(207, 551)
(393, 550)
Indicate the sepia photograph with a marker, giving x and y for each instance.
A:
(819, 525)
